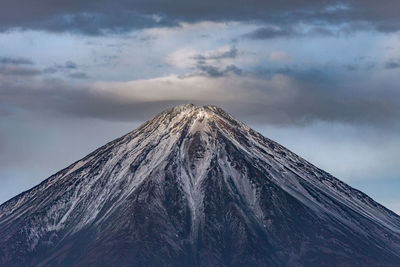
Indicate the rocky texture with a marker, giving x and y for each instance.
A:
(196, 187)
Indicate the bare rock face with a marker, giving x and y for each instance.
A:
(196, 187)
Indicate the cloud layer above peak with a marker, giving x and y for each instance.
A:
(101, 17)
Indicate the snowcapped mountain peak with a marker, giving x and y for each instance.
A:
(191, 109)
(196, 187)
(188, 111)
(188, 119)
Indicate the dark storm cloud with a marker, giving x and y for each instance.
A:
(101, 16)
(15, 61)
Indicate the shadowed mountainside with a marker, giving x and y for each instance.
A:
(196, 187)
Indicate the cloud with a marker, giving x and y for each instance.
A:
(211, 63)
(78, 75)
(309, 29)
(70, 65)
(69, 68)
(392, 64)
(268, 32)
(15, 61)
(230, 52)
(350, 67)
(16, 66)
(189, 57)
(18, 70)
(100, 17)
(182, 58)
(286, 98)
(278, 56)
(212, 71)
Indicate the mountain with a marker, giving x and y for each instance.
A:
(196, 187)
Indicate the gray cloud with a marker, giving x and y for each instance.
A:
(99, 17)
(50, 70)
(292, 97)
(291, 31)
(350, 67)
(78, 75)
(392, 64)
(18, 70)
(218, 55)
(70, 65)
(270, 32)
(54, 97)
(4, 112)
(17, 67)
(211, 63)
(66, 68)
(15, 61)
(214, 71)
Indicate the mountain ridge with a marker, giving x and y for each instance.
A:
(195, 187)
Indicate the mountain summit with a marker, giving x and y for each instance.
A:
(196, 187)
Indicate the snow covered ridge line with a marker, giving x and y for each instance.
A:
(196, 187)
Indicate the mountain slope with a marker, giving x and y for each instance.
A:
(196, 187)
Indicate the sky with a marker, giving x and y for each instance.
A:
(319, 77)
